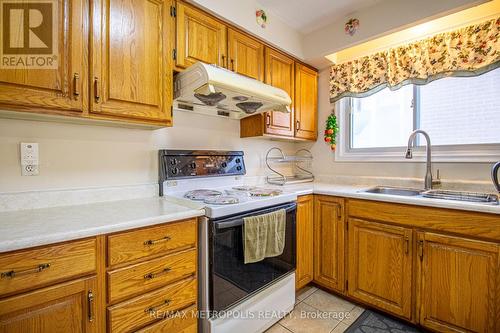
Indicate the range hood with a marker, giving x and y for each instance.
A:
(216, 91)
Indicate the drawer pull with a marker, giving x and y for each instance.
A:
(90, 301)
(13, 273)
(153, 309)
(151, 276)
(156, 241)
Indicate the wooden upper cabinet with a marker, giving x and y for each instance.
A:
(280, 73)
(199, 38)
(245, 54)
(306, 102)
(329, 242)
(131, 70)
(459, 284)
(63, 88)
(305, 237)
(380, 265)
(63, 308)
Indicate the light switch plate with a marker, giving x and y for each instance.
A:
(29, 159)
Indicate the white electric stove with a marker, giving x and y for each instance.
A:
(248, 298)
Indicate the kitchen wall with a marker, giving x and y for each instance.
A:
(325, 164)
(73, 155)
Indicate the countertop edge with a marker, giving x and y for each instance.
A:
(30, 242)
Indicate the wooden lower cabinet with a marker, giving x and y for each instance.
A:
(380, 265)
(63, 308)
(305, 240)
(329, 242)
(459, 284)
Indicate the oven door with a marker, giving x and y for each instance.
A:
(232, 280)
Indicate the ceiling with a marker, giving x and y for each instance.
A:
(307, 16)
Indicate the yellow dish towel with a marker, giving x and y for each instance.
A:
(264, 236)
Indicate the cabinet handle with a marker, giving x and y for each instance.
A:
(76, 80)
(407, 244)
(297, 125)
(90, 303)
(268, 119)
(156, 241)
(11, 274)
(96, 90)
(151, 276)
(232, 65)
(224, 61)
(153, 309)
(421, 249)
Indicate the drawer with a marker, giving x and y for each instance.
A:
(149, 275)
(142, 243)
(151, 307)
(182, 321)
(28, 269)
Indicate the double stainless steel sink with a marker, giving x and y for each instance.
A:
(485, 198)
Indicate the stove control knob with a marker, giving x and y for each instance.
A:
(175, 171)
(173, 161)
(224, 164)
(192, 165)
(238, 160)
(238, 168)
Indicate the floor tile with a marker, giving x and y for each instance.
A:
(340, 328)
(353, 315)
(324, 301)
(306, 319)
(277, 328)
(305, 292)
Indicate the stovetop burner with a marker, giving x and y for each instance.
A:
(265, 192)
(201, 195)
(222, 200)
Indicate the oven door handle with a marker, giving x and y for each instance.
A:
(239, 221)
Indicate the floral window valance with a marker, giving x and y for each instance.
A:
(469, 51)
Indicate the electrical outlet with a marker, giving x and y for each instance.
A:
(29, 159)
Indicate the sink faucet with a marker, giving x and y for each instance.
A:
(409, 154)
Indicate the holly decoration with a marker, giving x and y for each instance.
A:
(331, 130)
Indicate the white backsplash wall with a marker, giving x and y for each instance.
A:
(325, 164)
(76, 156)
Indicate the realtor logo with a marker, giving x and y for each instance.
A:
(28, 34)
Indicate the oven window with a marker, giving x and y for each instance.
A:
(232, 280)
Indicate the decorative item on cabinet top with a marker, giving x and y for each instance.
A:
(300, 162)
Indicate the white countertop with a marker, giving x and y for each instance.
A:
(27, 228)
(356, 191)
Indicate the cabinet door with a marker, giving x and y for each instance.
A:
(306, 102)
(63, 88)
(63, 308)
(459, 284)
(199, 38)
(329, 242)
(131, 76)
(380, 265)
(246, 55)
(280, 73)
(305, 228)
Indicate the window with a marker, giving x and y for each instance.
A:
(461, 115)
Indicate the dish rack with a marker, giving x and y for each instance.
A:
(301, 158)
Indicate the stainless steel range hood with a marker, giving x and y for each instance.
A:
(216, 91)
